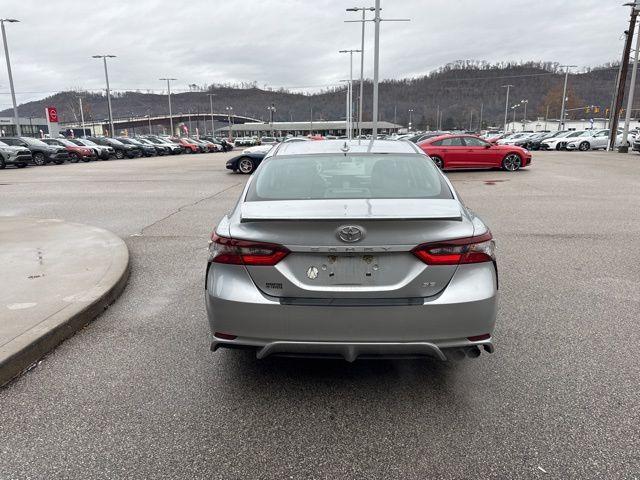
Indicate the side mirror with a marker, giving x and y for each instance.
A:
(488, 145)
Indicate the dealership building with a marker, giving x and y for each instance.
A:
(29, 126)
(281, 129)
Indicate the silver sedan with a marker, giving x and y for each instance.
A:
(355, 250)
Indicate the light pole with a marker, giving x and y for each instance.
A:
(229, 110)
(149, 119)
(350, 52)
(513, 109)
(106, 77)
(410, 122)
(169, 80)
(632, 90)
(376, 62)
(346, 115)
(81, 117)
(360, 100)
(524, 120)
(213, 128)
(506, 107)
(272, 110)
(6, 55)
(564, 95)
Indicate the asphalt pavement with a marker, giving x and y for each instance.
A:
(138, 394)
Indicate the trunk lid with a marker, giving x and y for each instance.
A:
(379, 264)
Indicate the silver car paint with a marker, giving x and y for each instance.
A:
(453, 302)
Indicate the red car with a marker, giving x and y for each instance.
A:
(188, 146)
(76, 152)
(450, 152)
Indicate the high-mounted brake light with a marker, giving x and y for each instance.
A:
(459, 251)
(245, 252)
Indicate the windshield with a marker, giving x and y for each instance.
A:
(314, 177)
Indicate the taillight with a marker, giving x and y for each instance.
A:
(459, 251)
(245, 252)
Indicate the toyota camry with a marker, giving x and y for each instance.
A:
(354, 250)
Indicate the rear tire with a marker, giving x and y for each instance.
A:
(438, 161)
(512, 162)
(2, 164)
(21, 165)
(119, 154)
(246, 165)
(75, 158)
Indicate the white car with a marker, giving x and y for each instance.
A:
(512, 139)
(594, 140)
(560, 141)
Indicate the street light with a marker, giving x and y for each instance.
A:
(6, 54)
(213, 127)
(376, 61)
(513, 109)
(169, 80)
(360, 100)
(272, 110)
(410, 122)
(506, 107)
(350, 99)
(229, 110)
(106, 76)
(564, 95)
(524, 102)
(346, 115)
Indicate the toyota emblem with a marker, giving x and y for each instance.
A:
(350, 233)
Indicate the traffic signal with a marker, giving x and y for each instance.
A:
(587, 109)
(596, 109)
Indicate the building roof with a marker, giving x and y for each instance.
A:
(323, 125)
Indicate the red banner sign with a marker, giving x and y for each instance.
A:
(52, 114)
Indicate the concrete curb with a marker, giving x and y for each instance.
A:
(24, 351)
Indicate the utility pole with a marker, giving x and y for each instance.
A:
(506, 107)
(395, 114)
(6, 56)
(623, 148)
(471, 121)
(564, 95)
(410, 122)
(546, 118)
(106, 76)
(438, 118)
(169, 80)
(350, 115)
(213, 127)
(376, 60)
(613, 130)
(360, 100)
(481, 115)
(82, 117)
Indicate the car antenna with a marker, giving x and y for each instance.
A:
(345, 148)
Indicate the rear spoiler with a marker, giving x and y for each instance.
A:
(351, 210)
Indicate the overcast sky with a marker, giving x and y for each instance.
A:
(287, 43)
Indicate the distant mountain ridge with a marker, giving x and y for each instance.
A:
(460, 89)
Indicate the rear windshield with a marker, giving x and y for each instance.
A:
(313, 177)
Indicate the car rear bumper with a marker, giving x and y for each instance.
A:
(271, 325)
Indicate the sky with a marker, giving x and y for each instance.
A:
(286, 43)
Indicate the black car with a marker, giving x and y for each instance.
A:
(222, 142)
(246, 163)
(534, 142)
(41, 152)
(159, 149)
(172, 147)
(121, 149)
(146, 150)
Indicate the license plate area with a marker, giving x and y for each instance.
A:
(347, 269)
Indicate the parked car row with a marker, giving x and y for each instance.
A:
(582, 140)
(22, 151)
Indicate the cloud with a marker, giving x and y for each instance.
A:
(285, 42)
